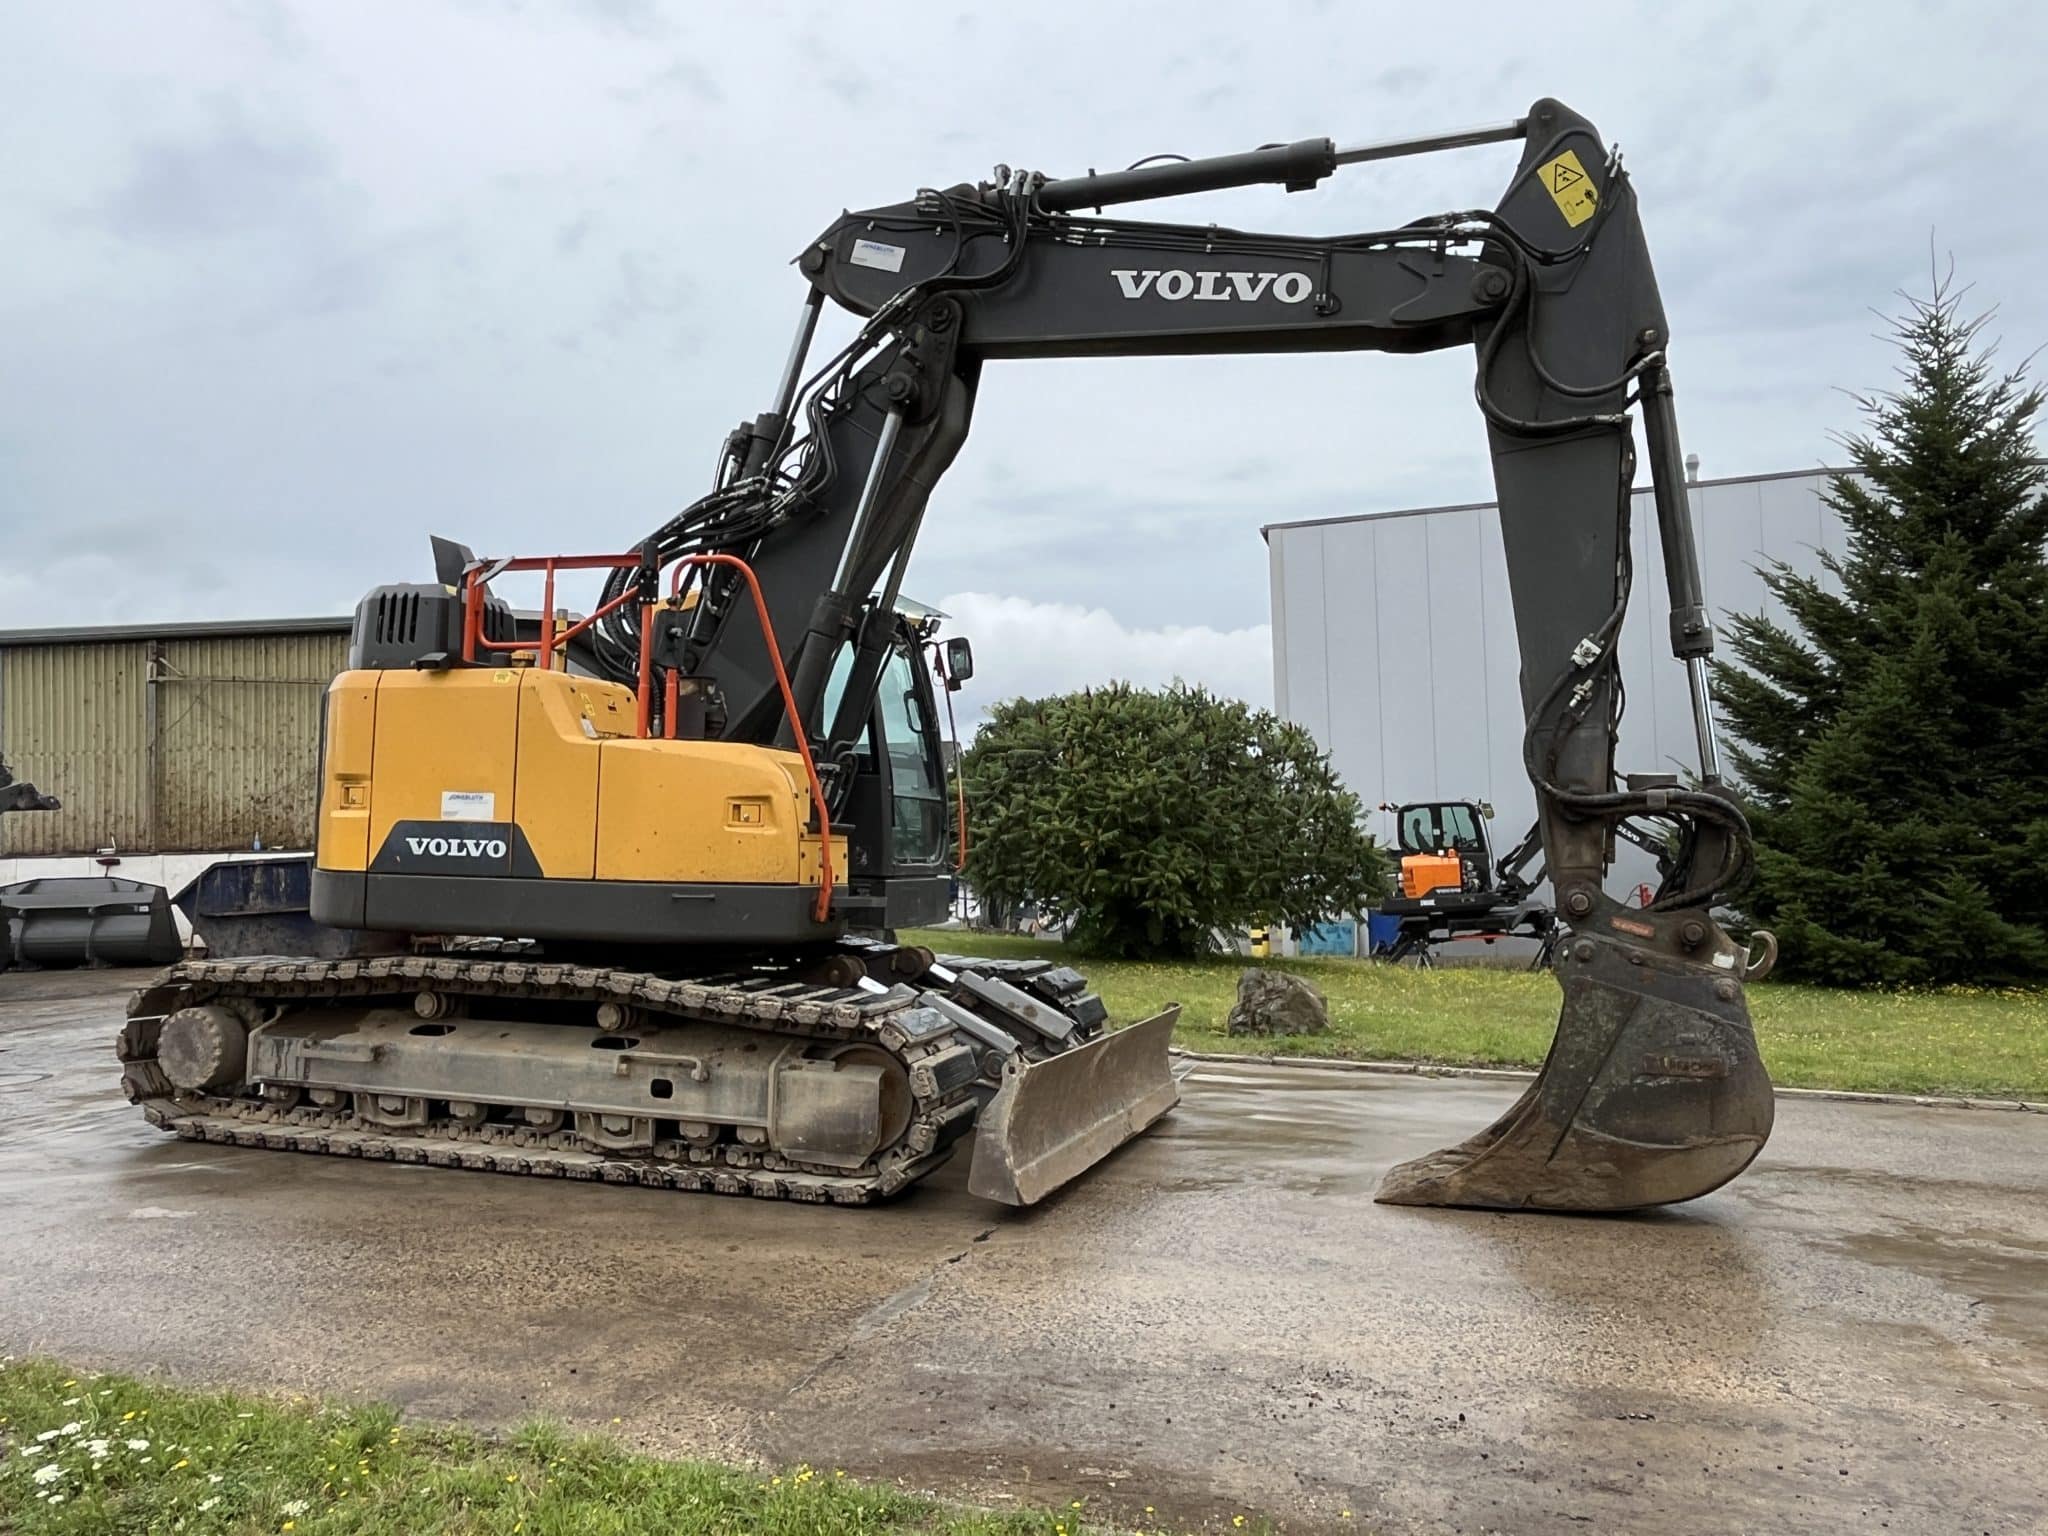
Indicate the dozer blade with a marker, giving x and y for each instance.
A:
(1053, 1120)
(1652, 1093)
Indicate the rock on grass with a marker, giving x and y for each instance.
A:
(1275, 1003)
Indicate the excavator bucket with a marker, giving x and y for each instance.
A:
(1652, 1093)
(1052, 1120)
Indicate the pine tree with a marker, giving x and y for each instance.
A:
(1893, 729)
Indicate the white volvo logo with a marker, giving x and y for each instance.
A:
(1175, 285)
(458, 847)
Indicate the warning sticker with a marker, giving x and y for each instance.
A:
(1569, 186)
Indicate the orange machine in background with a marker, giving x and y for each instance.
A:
(1422, 873)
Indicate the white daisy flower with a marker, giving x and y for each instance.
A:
(48, 1473)
(137, 1445)
(297, 1507)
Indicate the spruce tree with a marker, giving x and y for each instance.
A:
(1892, 730)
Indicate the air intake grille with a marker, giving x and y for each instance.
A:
(397, 619)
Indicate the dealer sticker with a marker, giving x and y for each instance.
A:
(468, 805)
(873, 253)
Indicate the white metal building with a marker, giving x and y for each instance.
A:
(1394, 642)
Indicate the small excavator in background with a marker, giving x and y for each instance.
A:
(665, 846)
(1450, 887)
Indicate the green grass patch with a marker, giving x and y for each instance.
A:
(86, 1455)
(1958, 1040)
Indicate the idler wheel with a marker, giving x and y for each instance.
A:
(201, 1049)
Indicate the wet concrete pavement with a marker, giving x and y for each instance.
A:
(1852, 1336)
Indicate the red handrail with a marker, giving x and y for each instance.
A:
(473, 639)
(796, 724)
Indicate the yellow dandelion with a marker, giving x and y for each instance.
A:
(128, 1415)
(179, 1466)
(289, 1525)
(1237, 1519)
(72, 1382)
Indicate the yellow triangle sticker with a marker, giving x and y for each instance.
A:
(1565, 179)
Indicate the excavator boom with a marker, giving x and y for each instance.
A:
(1653, 1090)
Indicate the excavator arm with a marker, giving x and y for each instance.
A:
(1653, 1090)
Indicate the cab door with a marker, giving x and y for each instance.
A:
(901, 874)
(907, 724)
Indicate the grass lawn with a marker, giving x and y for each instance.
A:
(85, 1455)
(1956, 1041)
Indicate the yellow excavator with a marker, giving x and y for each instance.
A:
(663, 849)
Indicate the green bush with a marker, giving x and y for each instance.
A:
(1152, 819)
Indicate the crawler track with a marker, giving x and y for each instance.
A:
(945, 1067)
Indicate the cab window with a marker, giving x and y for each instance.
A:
(835, 687)
(1418, 829)
(919, 811)
(1459, 829)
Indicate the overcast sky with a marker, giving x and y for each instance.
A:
(287, 286)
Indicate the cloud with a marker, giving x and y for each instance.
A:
(1026, 649)
(230, 178)
(290, 284)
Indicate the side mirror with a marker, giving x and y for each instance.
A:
(1486, 809)
(959, 662)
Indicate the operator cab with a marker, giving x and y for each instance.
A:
(1450, 829)
(1443, 845)
(901, 818)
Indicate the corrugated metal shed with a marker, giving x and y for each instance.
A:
(1394, 640)
(168, 738)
